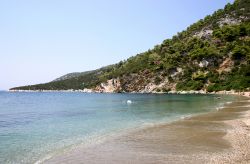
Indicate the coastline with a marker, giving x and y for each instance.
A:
(239, 137)
(216, 137)
(231, 92)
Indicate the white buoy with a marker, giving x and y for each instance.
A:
(129, 102)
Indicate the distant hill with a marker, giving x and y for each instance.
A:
(212, 54)
(72, 75)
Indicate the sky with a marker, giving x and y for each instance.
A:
(41, 40)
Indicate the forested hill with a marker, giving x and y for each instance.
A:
(212, 54)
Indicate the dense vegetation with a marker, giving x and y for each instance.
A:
(213, 54)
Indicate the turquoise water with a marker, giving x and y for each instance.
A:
(34, 126)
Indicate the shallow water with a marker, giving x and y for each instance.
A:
(34, 126)
(194, 140)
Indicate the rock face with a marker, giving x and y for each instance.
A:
(228, 21)
(112, 85)
(204, 33)
(153, 88)
(142, 82)
(203, 63)
(146, 82)
(176, 71)
(226, 66)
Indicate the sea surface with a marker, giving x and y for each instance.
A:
(38, 125)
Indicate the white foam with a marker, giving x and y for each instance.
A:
(43, 159)
(185, 117)
(129, 102)
(219, 108)
(83, 142)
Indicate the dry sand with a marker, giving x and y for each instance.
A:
(217, 137)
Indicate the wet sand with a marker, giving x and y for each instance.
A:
(217, 137)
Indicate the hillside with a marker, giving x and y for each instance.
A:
(212, 54)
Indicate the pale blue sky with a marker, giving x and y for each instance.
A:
(41, 40)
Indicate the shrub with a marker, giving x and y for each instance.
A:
(189, 85)
(240, 52)
(157, 80)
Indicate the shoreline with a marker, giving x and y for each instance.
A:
(232, 92)
(230, 139)
(239, 137)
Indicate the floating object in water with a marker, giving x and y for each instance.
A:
(218, 97)
(129, 102)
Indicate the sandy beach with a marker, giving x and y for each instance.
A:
(221, 136)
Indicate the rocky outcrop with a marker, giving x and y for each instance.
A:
(226, 66)
(152, 87)
(204, 33)
(229, 21)
(203, 63)
(111, 86)
(176, 71)
(143, 82)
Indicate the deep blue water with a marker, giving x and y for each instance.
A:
(36, 125)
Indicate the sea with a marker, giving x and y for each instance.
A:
(35, 126)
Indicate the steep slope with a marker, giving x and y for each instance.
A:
(212, 54)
